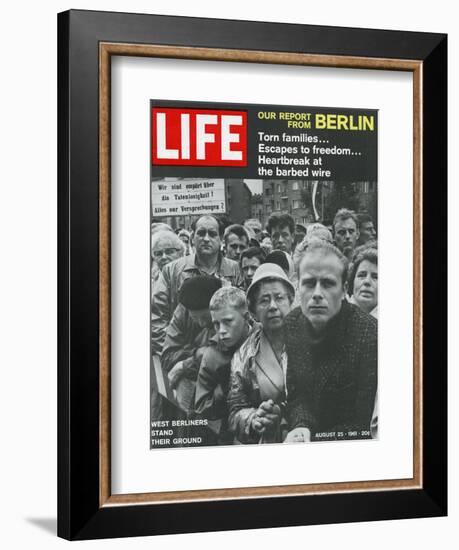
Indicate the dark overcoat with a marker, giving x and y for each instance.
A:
(332, 383)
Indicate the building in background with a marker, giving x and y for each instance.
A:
(288, 197)
(238, 200)
(257, 207)
(295, 197)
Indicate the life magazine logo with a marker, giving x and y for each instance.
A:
(198, 137)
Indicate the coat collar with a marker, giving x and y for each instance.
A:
(323, 355)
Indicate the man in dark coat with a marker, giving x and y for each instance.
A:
(332, 354)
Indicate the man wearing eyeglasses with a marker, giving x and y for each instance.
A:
(207, 260)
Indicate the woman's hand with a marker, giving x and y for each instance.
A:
(266, 417)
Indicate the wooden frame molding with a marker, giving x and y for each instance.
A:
(106, 51)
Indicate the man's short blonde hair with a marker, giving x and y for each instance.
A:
(318, 245)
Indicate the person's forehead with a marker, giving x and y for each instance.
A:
(281, 229)
(251, 261)
(321, 264)
(224, 311)
(348, 223)
(271, 286)
(367, 225)
(232, 238)
(207, 223)
(253, 223)
(367, 265)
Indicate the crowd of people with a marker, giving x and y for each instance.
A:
(269, 334)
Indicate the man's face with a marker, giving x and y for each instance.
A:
(206, 238)
(249, 266)
(229, 324)
(300, 234)
(184, 238)
(255, 227)
(346, 235)
(201, 317)
(165, 251)
(282, 239)
(234, 246)
(320, 287)
(367, 232)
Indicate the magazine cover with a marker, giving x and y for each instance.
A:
(264, 274)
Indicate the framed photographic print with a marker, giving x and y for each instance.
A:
(232, 354)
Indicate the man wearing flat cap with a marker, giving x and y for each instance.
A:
(207, 261)
(188, 335)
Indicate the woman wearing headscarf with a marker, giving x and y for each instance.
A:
(258, 370)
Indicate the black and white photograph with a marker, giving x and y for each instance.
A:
(264, 274)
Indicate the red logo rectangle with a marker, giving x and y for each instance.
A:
(198, 137)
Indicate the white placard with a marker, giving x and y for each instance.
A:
(187, 197)
(136, 468)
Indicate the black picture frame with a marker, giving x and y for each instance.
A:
(80, 512)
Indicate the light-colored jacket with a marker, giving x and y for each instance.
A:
(245, 394)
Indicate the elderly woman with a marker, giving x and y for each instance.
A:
(363, 289)
(363, 280)
(257, 384)
(165, 247)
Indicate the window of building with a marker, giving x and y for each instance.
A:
(296, 203)
(295, 187)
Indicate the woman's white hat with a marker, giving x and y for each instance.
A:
(269, 271)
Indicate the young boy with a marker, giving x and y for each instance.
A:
(230, 317)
